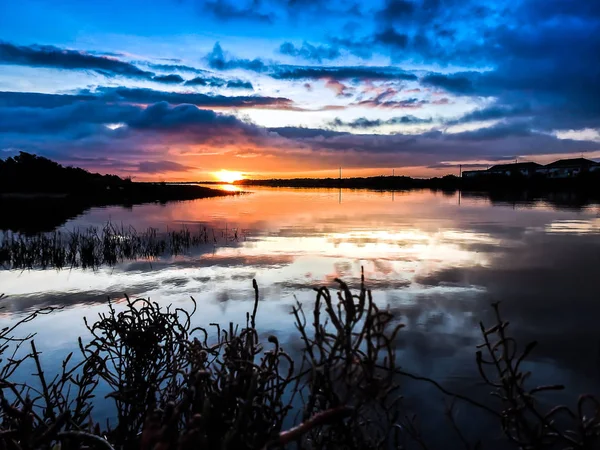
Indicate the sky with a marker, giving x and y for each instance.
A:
(180, 89)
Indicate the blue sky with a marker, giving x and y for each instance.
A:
(177, 89)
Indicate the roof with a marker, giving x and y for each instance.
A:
(575, 162)
(523, 165)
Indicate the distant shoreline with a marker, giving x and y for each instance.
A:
(588, 183)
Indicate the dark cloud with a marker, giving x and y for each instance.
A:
(302, 132)
(395, 9)
(227, 11)
(494, 112)
(310, 52)
(388, 99)
(142, 95)
(38, 100)
(175, 67)
(168, 79)
(341, 73)
(456, 83)
(392, 38)
(205, 81)
(162, 167)
(58, 58)
(163, 116)
(239, 84)
(218, 59)
(363, 122)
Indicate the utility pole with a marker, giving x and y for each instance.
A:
(393, 172)
(460, 171)
(340, 172)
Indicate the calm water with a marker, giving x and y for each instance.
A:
(437, 260)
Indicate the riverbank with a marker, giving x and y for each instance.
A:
(32, 212)
(589, 183)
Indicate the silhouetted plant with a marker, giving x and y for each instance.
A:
(175, 386)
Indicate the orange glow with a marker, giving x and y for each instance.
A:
(227, 176)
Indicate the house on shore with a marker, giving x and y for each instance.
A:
(567, 168)
(563, 168)
(526, 169)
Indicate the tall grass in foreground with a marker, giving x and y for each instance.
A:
(108, 245)
(174, 386)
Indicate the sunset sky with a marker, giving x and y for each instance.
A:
(180, 89)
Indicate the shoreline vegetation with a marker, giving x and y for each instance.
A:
(94, 247)
(175, 386)
(585, 183)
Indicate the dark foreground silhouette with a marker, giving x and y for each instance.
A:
(37, 194)
(174, 386)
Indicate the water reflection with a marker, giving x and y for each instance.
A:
(437, 260)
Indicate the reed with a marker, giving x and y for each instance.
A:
(109, 245)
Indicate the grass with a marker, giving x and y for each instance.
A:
(109, 245)
(175, 386)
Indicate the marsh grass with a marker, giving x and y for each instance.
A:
(175, 386)
(109, 245)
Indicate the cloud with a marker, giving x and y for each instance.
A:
(392, 38)
(387, 99)
(38, 100)
(456, 83)
(153, 167)
(239, 84)
(310, 52)
(494, 112)
(340, 89)
(169, 79)
(175, 67)
(205, 81)
(226, 11)
(219, 60)
(395, 9)
(363, 122)
(362, 73)
(103, 126)
(143, 95)
(54, 57)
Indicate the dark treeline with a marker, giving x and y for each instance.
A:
(585, 183)
(37, 194)
(376, 183)
(31, 174)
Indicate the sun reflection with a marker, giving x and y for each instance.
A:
(228, 176)
(230, 187)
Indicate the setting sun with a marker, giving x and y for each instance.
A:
(227, 176)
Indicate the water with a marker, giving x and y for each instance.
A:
(438, 260)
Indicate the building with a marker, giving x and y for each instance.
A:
(473, 173)
(526, 169)
(567, 168)
(563, 168)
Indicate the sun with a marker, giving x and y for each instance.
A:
(227, 176)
